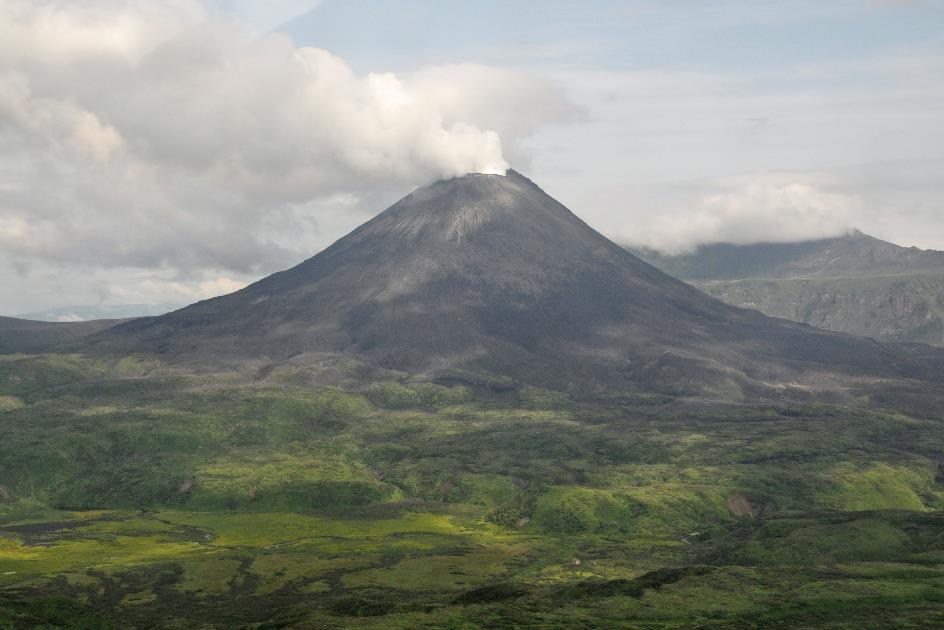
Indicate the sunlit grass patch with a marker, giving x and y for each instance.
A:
(281, 482)
(872, 486)
(315, 587)
(436, 572)
(861, 539)
(727, 591)
(234, 529)
(301, 567)
(90, 543)
(211, 574)
(138, 599)
(663, 509)
(99, 410)
(10, 403)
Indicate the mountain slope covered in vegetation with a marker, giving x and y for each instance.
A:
(855, 284)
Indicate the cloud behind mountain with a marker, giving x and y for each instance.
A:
(163, 136)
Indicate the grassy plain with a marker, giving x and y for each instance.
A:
(136, 496)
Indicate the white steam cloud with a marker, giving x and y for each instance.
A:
(156, 135)
(773, 208)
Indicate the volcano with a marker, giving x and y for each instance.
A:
(489, 274)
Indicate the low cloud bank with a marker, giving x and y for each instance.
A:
(751, 209)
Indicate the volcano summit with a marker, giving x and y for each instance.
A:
(488, 273)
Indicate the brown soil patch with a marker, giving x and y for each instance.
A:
(739, 505)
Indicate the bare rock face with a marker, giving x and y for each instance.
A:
(488, 273)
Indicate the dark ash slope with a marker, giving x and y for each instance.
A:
(490, 273)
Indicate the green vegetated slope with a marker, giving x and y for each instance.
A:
(136, 496)
(855, 284)
(892, 308)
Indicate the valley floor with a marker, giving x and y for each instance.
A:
(135, 496)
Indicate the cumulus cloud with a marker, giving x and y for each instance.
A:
(851, 142)
(779, 208)
(157, 135)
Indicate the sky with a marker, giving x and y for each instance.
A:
(166, 151)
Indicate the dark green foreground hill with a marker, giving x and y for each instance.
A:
(855, 284)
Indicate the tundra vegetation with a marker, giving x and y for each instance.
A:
(855, 283)
(133, 494)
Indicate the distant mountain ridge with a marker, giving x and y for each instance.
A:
(29, 337)
(86, 313)
(853, 255)
(856, 283)
(488, 273)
